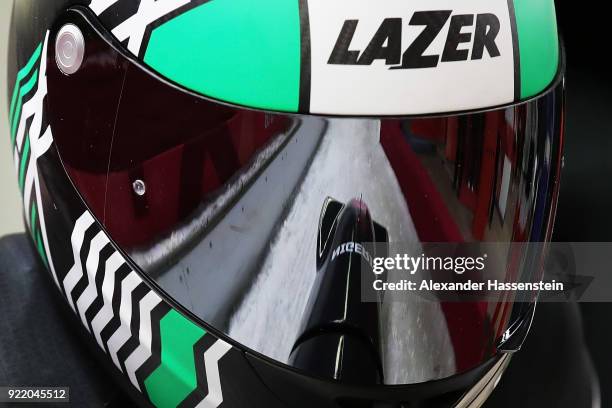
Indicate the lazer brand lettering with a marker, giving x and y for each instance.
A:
(478, 30)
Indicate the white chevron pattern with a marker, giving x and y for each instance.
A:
(98, 6)
(143, 352)
(123, 333)
(91, 265)
(211, 361)
(105, 314)
(144, 309)
(76, 272)
(148, 12)
(40, 142)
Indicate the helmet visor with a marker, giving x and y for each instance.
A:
(237, 214)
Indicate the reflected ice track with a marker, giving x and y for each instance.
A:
(269, 317)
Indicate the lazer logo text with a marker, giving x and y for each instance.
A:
(480, 31)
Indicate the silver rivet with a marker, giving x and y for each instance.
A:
(69, 49)
(140, 188)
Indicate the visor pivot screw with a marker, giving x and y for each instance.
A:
(140, 188)
(69, 49)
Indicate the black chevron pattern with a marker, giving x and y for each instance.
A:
(113, 302)
(131, 21)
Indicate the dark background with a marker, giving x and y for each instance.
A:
(585, 204)
(571, 345)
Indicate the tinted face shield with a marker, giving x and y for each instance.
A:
(256, 223)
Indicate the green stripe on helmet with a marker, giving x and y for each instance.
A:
(21, 75)
(23, 91)
(24, 163)
(175, 378)
(538, 44)
(33, 215)
(238, 51)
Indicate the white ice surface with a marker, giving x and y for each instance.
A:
(416, 345)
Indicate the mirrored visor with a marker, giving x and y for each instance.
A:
(259, 223)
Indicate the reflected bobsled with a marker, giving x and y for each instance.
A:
(339, 337)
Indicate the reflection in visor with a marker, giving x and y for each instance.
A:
(236, 201)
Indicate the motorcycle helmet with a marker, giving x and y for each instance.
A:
(205, 179)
